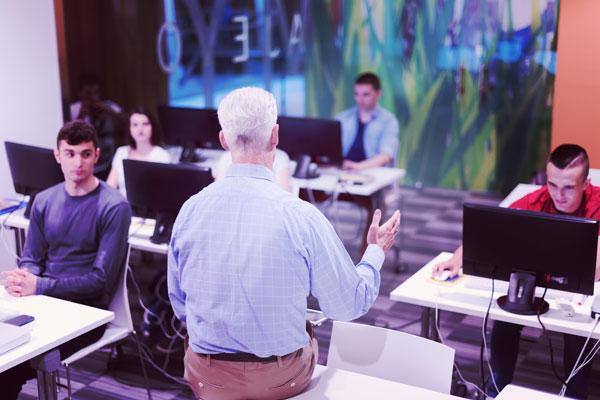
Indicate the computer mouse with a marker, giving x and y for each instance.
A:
(442, 276)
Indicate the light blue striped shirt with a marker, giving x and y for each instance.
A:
(243, 258)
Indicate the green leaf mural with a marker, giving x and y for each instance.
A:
(463, 77)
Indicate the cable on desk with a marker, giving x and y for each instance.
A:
(141, 225)
(439, 334)
(586, 360)
(546, 333)
(483, 351)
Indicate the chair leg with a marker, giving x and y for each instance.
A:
(139, 347)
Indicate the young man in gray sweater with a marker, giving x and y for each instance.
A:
(76, 243)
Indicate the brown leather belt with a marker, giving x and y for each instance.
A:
(249, 357)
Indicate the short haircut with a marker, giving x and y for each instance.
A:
(368, 78)
(76, 132)
(570, 155)
(247, 117)
(156, 138)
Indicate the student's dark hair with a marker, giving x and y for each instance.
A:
(77, 132)
(368, 78)
(156, 138)
(570, 155)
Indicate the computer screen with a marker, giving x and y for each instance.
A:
(557, 251)
(190, 128)
(321, 139)
(157, 190)
(33, 169)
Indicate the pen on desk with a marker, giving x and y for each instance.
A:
(582, 300)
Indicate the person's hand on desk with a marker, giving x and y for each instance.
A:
(383, 235)
(19, 282)
(451, 265)
(351, 165)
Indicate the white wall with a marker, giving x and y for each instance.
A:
(30, 98)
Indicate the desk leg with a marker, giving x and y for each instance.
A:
(19, 241)
(47, 366)
(428, 324)
(425, 322)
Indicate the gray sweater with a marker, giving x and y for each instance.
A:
(77, 245)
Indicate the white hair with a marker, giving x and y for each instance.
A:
(247, 117)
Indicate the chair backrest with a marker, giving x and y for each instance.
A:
(391, 355)
(120, 301)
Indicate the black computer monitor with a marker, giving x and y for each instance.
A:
(190, 128)
(321, 139)
(528, 248)
(33, 169)
(157, 190)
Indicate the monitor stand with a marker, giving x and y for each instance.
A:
(521, 296)
(162, 229)
(189, 155)
(27, 213)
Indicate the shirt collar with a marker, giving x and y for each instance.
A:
(250, 171)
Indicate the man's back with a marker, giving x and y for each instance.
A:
(249, 253)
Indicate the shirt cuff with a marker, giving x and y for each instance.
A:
(42, 285)
(374, 256)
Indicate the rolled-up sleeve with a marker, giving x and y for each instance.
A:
(390, 138)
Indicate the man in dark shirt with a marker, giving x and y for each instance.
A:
(76, 243)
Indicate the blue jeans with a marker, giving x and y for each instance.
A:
(504, 349)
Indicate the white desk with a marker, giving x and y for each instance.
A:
(420, 290)
(338, 384)
(56, 322)
(519, 191)
(329, 181)
(512, 392)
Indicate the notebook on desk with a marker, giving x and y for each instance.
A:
(12, 336)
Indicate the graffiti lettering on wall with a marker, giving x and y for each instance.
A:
(246, 33)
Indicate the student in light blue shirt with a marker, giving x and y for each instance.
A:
(243, 258)
(369, 132)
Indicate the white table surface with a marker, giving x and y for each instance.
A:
(513, 392)
(328, 181)
(458, 297)
(56, 322)
(338, 384)
(519, 191)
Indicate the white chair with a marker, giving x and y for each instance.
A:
(391, 355)
(118, 329)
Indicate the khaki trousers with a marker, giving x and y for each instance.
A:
(289, 375)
